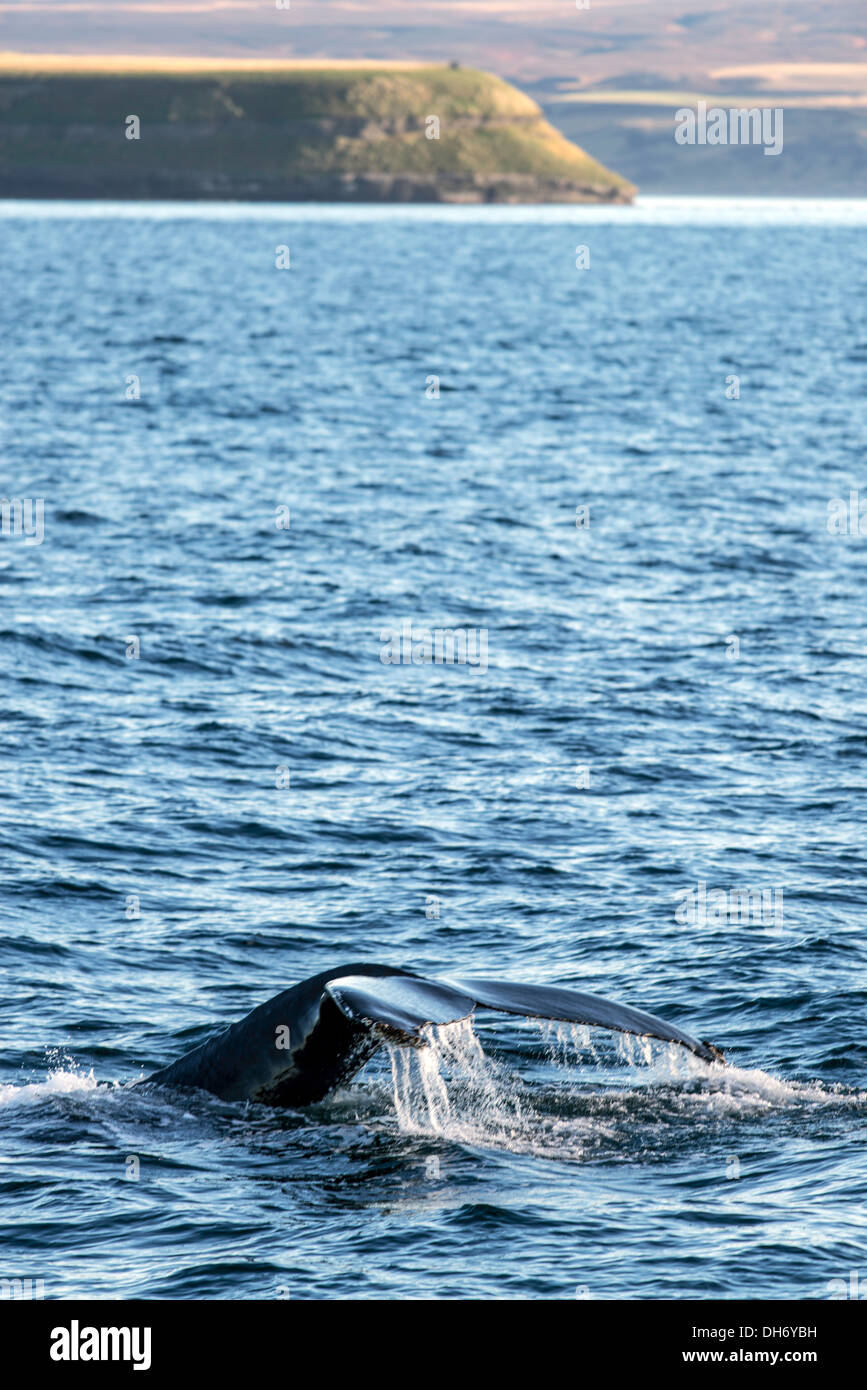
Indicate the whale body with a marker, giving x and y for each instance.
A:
(311, 1038)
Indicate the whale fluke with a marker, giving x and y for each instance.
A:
(294, 1049)
(572, 1006)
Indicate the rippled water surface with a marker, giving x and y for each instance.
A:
(257, 796)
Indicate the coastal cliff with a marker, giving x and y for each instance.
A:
(282, 131)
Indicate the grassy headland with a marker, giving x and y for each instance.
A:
(282, 131)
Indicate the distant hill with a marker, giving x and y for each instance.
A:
(282, 131)
(678, 40)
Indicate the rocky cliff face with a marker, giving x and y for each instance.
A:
(284, 133)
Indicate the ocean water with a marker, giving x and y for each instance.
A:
(214, 786)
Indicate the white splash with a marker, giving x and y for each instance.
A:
(737, 1089)
(57, 1083)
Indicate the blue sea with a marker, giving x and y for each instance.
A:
(628, 476)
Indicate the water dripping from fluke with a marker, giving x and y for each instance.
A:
(588, 1094)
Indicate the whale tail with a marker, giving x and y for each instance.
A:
(303, 1043)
